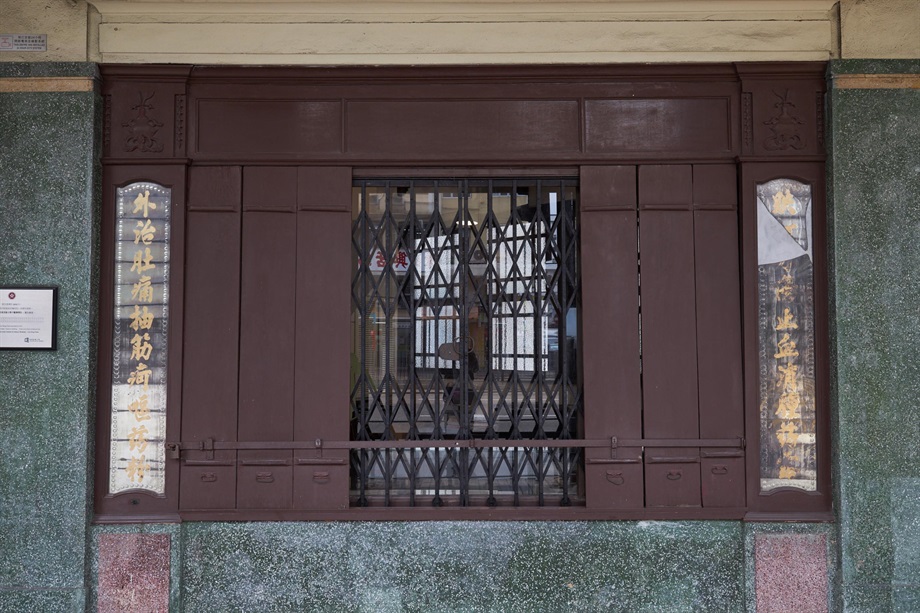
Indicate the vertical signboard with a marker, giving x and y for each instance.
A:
(141, 318)
(786, 325)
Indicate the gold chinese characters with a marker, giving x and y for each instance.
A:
(141, 342)
(788, 408)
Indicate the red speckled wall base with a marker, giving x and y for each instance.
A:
(791, 573)
(133, 573)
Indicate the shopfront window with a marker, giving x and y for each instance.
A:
(464, 337)
(463, 293)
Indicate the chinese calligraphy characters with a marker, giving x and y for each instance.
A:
(141, 347)
(786, 337)
(140, 339)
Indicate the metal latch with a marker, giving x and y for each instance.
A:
(174, 450)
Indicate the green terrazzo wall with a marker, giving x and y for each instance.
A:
(875, 193)
(629, 567)
(47, 236)
(371, 567)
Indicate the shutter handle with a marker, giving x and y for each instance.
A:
(674, 475)
(321, 477)
(265, 477)
(615, 477)
(719, 469)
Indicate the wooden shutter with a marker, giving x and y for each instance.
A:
(610, 304)
(267, 304)
(719, 333)
(322, 407)
(675, 228)
(210, 356)
(669, 364)
(267, 290)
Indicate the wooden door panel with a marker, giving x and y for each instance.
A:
(211, 358)
(266, 395)
(323, 320)
(669, 375)
(610, 305)
(722, 481)
(671, 481)
(668, 331)
(264, 483)
(209, 486)
(719, 352)
(718, 325)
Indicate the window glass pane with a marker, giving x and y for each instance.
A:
(465, 315)
(786, 330)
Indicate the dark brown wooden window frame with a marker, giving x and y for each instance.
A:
(719, 125)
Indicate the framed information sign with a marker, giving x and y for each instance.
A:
(28, 318)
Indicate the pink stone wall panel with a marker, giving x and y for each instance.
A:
(133, 573)
(791, 573)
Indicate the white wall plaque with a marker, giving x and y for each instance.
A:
(28, 317)
(23, 42)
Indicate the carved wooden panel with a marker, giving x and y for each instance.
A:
(180, 126)
(146, 118)
(785, 118)
(504, 115)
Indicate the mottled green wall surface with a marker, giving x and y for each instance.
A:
(875, 192)
(486, 567)
(628, 567)
(47, 191)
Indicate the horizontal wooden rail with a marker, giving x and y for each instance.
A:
(210, 445)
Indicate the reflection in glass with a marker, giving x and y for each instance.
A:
(465, 300)
(786, 335)
(137, 458)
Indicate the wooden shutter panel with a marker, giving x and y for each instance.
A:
(610, 305)
(691, 333)
(268, 301)
(322, 407)
(718, 321)
(690, 385)
(210, 359)
(266, 393)
(669, 365)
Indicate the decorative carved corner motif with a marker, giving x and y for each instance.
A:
(180, 125)
(106, 122)
(747, 121)
(143, 129)
(819, 118)
(784, 126)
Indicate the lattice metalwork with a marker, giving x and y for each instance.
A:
(465, 339)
